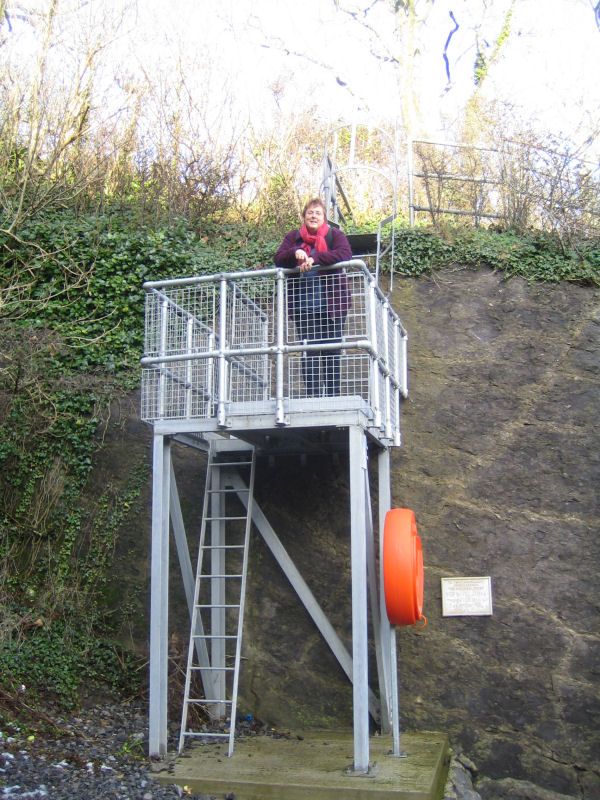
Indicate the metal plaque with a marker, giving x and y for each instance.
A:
(466, 597)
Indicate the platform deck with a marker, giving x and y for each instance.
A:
(315, 767)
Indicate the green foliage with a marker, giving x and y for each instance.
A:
(56, 661)
(277, 204)
(133, 747)
(85, 277)
(482, 64)
(535, 257)
(111, 512)
(418, 251)
(480, 68)
(71, 337)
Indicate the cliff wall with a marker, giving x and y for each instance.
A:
(501, 463)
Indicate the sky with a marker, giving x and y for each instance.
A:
(256, 61)
(283, 55)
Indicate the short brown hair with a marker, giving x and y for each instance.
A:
(316, 201)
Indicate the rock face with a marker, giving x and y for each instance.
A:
(501, 464)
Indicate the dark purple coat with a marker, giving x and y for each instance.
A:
(336, 282)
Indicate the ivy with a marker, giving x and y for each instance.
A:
(56, 661)
(418, 251)
(71, 336)
(536, 257)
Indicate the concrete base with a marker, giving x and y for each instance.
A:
(317, 767)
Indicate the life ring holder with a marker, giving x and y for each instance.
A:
(402, 567)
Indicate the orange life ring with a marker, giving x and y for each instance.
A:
(402, 567)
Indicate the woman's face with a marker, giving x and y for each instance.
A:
(314, 218)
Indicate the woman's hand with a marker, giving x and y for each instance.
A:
(303, 261)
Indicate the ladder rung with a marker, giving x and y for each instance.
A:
(231, 463)
(228, 491)
(212, 735)
(226, 519)
(210, 701)
(217, 605)
(210, 575)
(214, 636)
(223, 546)
(214, 669)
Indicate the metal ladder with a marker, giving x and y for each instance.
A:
(219, 595)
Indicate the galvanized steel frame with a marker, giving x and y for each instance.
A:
(381, 339)
(367, 589)
(378, 423)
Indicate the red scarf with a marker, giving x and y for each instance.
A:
(316, 240)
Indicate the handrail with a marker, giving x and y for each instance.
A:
(253, 273)
(354, 263)
(249, 359)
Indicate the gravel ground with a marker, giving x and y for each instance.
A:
(96, 755)
(100, 754)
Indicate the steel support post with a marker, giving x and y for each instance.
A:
(185, 562)
(373, 585)
(159, 597)
(374, 340)
(223, 365)
(385, 502)
(394, 685)
(279, 306)
(360, 636)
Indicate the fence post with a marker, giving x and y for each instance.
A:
(410, 170)
(223, 372)
(280, 310)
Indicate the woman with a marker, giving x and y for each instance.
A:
(318, 300)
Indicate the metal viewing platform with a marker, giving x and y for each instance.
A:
(275, 361)
(223, 355)
(233, 368)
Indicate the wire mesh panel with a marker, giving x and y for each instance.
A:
(324, 307)
(234, 345)
(354, 379)
(356, 374)
(295, 387)
(323, 310)
(393, 378)
(356, 326)
(178, 390)
(250, 312)
(395, 415)
(249, 379)
(392, 354)
(380, 332)
(250, 324)
(180, 320)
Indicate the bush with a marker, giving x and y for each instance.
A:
(55, 662)
(536, 256)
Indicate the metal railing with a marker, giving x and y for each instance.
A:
(242, 344)
(519, 184)
(365, 155)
